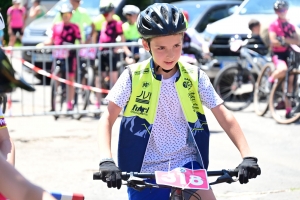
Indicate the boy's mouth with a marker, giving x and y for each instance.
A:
(169, 63)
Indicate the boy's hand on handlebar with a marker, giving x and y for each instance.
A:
(110, 174)
(248, 169)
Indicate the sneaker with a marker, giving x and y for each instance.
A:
(288, 115)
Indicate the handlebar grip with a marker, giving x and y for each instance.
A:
(97, 176)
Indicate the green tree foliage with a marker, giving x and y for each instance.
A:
(4, 5)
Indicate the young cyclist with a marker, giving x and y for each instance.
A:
(111, 29)
(164, 125)
(12, 184)
(67, 32)
(282, 33)
(81, 18)
(16, 20)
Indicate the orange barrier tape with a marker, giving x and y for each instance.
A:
(44, 73)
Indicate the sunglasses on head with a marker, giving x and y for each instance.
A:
(281, 10)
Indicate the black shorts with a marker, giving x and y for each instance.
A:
(105, 61)
(17, 30)
(282, 55)
(72, 65)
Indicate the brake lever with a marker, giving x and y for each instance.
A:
(226, 178)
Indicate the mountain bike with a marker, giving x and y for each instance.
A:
(177, 180)
(279, 93)
(85, 75)
(235, 82)
(262, 90)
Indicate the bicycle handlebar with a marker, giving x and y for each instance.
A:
(225, 175)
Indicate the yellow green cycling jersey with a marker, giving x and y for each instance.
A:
(140, 112)
(130, 31)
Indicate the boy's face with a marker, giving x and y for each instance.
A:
(256, 30)
(166, 50)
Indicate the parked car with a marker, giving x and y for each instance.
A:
(203, 13)
(218, 34)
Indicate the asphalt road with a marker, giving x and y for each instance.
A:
(62, 155)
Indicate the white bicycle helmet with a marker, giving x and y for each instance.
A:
(131, 10)
(2, 25)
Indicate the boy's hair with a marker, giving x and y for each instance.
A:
(253, 23)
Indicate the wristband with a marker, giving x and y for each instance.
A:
(106, 160)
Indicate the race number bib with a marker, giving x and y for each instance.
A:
(88, 53)
(183, 178)
(60, 53)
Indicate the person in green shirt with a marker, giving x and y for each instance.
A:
(81, 18)
(37, 10)
(130, 31)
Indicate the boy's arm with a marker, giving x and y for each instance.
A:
(105, 127)
(7, 147)
(232, 128)
(11, 178)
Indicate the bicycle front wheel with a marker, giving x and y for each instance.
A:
(82, 96)
(235, 86)
(58, 94)
(262, 93)
(277, 105)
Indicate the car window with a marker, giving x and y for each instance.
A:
(91, 5)
(213, 16)
(265, 6)
(193, 10)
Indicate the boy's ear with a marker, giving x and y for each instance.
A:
(145, 45)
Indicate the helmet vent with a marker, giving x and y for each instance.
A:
(146, 24)
(164, 12)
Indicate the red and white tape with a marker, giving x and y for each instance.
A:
(44, 73)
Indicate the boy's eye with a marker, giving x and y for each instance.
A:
(177, 45)
(160, 48)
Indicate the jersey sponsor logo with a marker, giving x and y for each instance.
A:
(192, 97)
(144, 97)
(145, 71)
(187, 83)
(145, 84)
(2, 122)
(140, 110)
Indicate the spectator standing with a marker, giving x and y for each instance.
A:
(16, 15)
(81, 18)
(99, 20)
(64, 33)
(111, 29)
(130, 31)
(37, 10)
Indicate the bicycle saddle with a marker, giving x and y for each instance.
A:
(9, 79)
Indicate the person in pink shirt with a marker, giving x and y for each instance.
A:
(111, 29)
(65, 33)
(16, 15)
(282, 34)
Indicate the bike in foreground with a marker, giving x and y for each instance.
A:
(181, 181)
